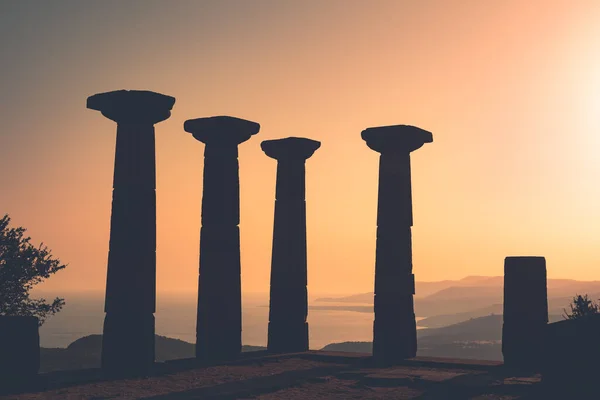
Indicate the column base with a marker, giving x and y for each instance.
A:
(222, 349)
(523, 345)
(128, 344)
(219, 317)
(394, 341)
(286, 337)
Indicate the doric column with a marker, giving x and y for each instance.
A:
(128, 339)
(394, 328)
(288, 329)
(219, 323)
(525, 313)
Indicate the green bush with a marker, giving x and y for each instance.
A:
(22, 266)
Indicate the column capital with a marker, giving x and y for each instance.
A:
(396, 138)
(132, 106)
(290, 148)
(221, 130)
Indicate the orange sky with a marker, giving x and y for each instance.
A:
(510, 91)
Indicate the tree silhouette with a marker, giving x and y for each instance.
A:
(22, 266)
(581, 306)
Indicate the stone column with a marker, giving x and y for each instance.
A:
(288, 329)
(219, 323)
(394, 328)
(525, 311)
(128, 339)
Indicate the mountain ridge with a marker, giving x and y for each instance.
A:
(482, 284)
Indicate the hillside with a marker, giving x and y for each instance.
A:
(438, 321)
(487, 328)
(350, 347)
(465, 292)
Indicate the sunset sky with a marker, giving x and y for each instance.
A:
(509, 89)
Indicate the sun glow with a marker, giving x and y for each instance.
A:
(510, 91)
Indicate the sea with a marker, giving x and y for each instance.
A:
(175, 317)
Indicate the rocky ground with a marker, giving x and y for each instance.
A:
(312, 375)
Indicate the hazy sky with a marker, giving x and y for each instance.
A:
(509, 89)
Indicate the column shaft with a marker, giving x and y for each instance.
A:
(128, 339)
(219, 324)
(394, 328)
(288, 329)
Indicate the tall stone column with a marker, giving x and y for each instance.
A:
(525, 313)
(394, 328)
(219, 323)
(128, 338)
(288, 329)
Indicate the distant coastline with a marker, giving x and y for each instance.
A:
(462, 319)
(478, 338)
(331, 319)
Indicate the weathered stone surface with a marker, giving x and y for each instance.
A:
(128, 340)
(525, 311)
(219, 320)
(288, 329)
(394, 327)
(19, 348)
